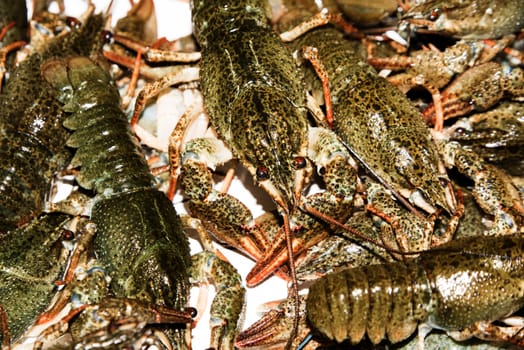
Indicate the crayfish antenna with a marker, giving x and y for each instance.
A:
(294, 283)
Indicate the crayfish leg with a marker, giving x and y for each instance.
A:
(311, 54)
(511, 334)
(229, 300)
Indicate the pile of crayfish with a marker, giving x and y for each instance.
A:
(379, 145)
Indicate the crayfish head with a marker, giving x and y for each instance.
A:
(272, 144)
(286, 190)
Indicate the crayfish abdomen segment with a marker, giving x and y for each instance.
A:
(373, 300)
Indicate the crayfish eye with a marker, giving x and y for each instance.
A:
(443, 182)
(106, 36)
(460, 131)
(192, 311)
(434, 14)
(299, 162)
(73, 22)
(262, 173)
(68, 235)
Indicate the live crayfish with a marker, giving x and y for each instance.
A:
(337, 254)
(369, 114)
(140, 238)
(106, 322)
(417, 172)
(376, 301)
(138, 228)
(441, 280)
(206, 184)
(115, 323)
(480, 85)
